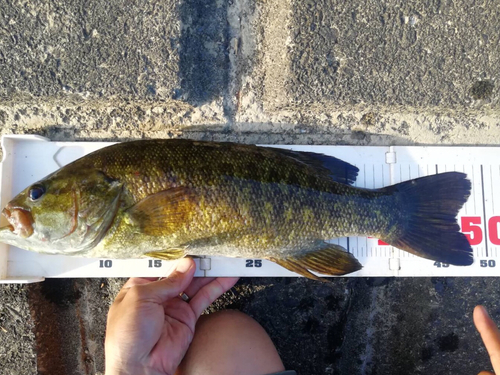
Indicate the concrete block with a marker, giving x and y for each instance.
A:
(414, 71)
(131, 49)
(17, 350)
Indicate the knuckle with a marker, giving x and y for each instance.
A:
(135, 293)
(173, 281)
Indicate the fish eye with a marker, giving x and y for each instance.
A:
(36, 192)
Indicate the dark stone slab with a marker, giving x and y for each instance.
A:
(132, 49)
(417, 53)
(373, 326)
(17, 336)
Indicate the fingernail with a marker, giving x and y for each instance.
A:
(184, 265)
(483, 310)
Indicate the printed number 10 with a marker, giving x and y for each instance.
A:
(108, 263)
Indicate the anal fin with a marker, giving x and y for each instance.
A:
(169, 254)
(330, 259)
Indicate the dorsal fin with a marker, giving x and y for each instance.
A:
(336, 169)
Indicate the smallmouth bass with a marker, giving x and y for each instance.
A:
(173, 198)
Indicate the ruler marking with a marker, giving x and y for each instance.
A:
(466, 203)
(473, 189)
(373, 186)
(437, 169)
(492, 195)
(355, 183)
(348, 247)
(364, 176)
(484, 213)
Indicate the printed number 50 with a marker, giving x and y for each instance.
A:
(472, 228)
(254, 263)
(487, 263)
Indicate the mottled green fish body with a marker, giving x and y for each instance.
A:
(172, 198)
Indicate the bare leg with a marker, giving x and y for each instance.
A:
(230, 343)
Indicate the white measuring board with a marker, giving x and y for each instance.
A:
(30, 158)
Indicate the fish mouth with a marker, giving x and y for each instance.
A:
(20, 221)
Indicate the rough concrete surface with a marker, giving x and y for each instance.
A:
(270, 72)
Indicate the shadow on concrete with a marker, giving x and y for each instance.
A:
(54, 305)
(260, 134)
(69, 325)
(299, 136)
(250, 133)
(204, 61)
(367, 326)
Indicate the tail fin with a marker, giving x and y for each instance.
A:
(429, 228)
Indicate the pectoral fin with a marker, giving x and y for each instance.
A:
(328, 260)
(164, 212)
(169, 254)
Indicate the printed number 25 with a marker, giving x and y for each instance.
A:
(254, 263)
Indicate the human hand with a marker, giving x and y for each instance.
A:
(150, 328)
(491, 337)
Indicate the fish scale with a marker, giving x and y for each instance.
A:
(172, 198)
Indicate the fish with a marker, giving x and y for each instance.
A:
(171, 198)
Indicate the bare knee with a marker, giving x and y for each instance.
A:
(230, 342)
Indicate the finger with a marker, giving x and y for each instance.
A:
(490, 335)
(486, 373)
(133, 281)
(197, 284)
(168, 288)
(138, 281)
(210, 293)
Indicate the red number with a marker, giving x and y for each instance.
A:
(380, 242)
(472, 230)
(493, 229)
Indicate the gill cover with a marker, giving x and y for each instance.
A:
(71, 211)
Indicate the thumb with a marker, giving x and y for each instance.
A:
(170, 287)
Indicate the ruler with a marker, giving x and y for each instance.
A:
(29, 158)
